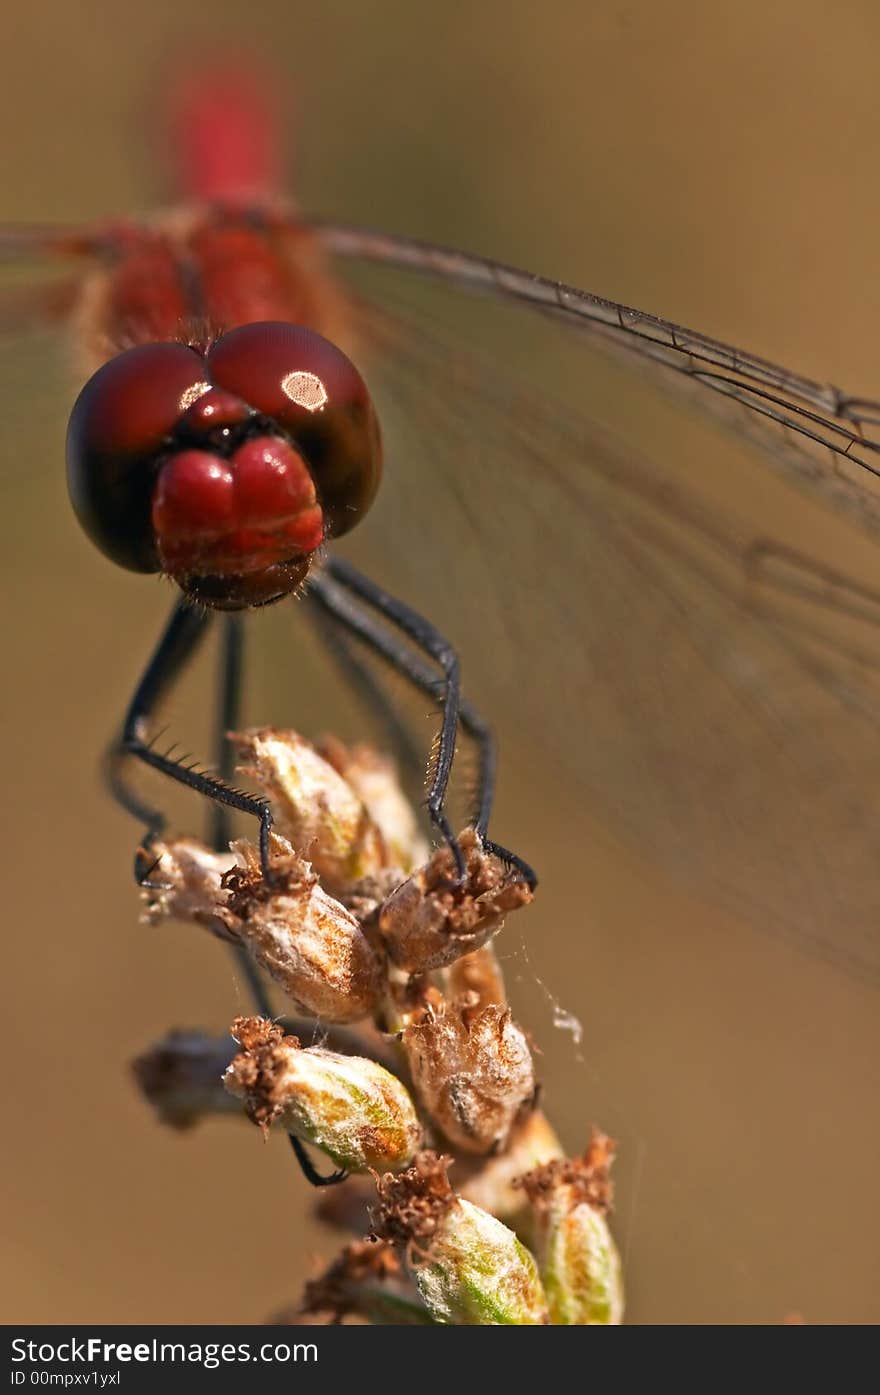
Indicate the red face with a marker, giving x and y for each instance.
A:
(226, 470)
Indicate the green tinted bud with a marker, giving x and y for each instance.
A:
(350, 1107)
(579, 1262)
(581, 1266)
(479, 1273)
(468, 1267)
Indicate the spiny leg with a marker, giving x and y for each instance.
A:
(228, 716)
(179, 641)
(184, 632)
(430, 640)
(359, 677)
(329, 590)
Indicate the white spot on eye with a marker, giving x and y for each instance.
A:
(193, 394)
(306, 390)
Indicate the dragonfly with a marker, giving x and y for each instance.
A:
(709, 686)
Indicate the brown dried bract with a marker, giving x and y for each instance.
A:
(586, 1178)
(412, 1203)
(259, 1066)
(431, 919)
(187, 883)
(335, 1292)
(472, 1070)
(314, 948)
(478, 974)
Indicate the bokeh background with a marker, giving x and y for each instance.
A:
(712, 164)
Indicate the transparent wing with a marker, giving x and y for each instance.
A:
(672, 639)
(827, 438)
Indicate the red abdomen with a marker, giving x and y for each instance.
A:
(234, 253)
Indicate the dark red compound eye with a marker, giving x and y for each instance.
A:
(226, 471)
(118, 429)
(315, 394)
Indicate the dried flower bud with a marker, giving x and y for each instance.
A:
(579, 1262)
(352, 1108)
(366, 1279)
(430, 920)
(493, 1184)
(314, 807)
(187, 881)
(478, 974)
(182, 1077)
(373, 777)
(314, 949)
(469, 1268)
(472, 1071)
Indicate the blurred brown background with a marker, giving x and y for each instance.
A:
(710, 164)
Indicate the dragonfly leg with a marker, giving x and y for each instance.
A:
(345, 605)
(309, 1171)
(228, 718)
(360, 677)
(429, 639)
(182, 635)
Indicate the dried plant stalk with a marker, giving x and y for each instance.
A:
(361, 926)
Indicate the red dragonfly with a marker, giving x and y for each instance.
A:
(689, 672)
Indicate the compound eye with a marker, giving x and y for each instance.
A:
(117, 431)
(310, 389)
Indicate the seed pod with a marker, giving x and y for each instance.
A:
(314, 948)
(577, 1255)
(469, 1268)
(187, 883)
(478, 974)
(373, 777)
(314, 808)
(352, 1108)
(431, 919)
(472, 1071)
(182, 1077)
(366, 1279)
(311, 945)
(493, 1182)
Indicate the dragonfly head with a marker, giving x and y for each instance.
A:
(228, 469)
